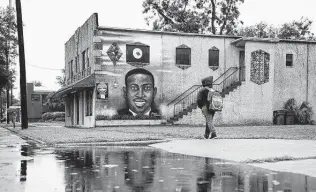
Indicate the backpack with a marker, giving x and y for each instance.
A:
(215, 100)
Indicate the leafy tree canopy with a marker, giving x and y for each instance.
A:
(193, 16)
(299, 30)
(8, 46)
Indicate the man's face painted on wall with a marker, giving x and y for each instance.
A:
(140, 92)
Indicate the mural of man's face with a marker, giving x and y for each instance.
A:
(140, 92)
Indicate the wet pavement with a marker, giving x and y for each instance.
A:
(24, 167)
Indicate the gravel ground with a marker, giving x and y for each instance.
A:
(56, 133)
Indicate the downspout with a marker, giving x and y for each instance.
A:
(307, 67)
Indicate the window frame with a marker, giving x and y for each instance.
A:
(212, 57)
(286, 59)
(186, 56)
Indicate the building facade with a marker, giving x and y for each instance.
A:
(36, 99)
(124, 76)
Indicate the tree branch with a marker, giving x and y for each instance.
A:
(213, 16)
(226, 16)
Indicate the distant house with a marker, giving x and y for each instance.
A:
(36, 98)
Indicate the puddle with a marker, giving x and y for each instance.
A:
(136, 169)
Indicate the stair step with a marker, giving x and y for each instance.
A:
(194, 106)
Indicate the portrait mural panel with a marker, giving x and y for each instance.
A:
(139, 93)
(259, 71)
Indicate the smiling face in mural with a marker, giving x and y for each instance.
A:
(140, 92)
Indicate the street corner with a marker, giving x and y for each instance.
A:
(242, 150)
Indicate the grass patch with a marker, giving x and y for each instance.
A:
(277, 159)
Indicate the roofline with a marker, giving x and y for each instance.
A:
(164, 32)
(271, 40)
(297, 41)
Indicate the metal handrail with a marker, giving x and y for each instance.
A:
(182, 94)
(193, 91)
(225, 73)
(185, 92)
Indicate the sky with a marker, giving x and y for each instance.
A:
(48, 24)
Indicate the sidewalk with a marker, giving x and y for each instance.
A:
(55, 133)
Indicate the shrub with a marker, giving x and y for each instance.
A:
(303, 114)
(126, 117)
(53, 116)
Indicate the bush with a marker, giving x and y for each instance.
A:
(126, 117)
(53, 116)
(303, 114)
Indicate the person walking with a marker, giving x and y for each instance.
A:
(13, 118)
(204, 102)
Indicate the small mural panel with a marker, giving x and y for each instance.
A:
(102, 91)
(259, 71)
(114, 52)
(137, 54)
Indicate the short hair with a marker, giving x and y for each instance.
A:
(139, 71)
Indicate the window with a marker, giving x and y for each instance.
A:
(44, 98)
(35, 97)
(76, 65)
(89, 99)
(183, 55)
(70, 68)
(87, 56)
(83, 60)
(289, 60)
(213, 57)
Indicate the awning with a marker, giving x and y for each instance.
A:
(85, 83)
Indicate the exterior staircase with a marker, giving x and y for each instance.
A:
(186, 102)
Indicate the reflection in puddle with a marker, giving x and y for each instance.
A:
(146, 169)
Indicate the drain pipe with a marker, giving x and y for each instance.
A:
(307, 69)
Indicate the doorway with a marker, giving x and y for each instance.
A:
(77, 109)
(242, 67)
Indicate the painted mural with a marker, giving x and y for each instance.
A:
(139, 94)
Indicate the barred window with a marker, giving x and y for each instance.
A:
(89, 100)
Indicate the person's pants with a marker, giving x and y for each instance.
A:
(209, 128)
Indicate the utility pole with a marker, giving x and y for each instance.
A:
(24, 124)
(8, 87)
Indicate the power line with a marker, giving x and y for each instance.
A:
(43, 67)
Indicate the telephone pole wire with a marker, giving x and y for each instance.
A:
(22, 65)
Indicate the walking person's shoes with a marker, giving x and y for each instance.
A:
(206, 135)
(213, 135)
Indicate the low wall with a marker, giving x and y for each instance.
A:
(109, 123)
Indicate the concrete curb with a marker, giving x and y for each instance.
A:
(119, 143)
(37, 142)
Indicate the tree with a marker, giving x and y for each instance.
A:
(299, 30)
(37, 83)
(8, 46)
(193, 16)
(61, 80)
(261, 30)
